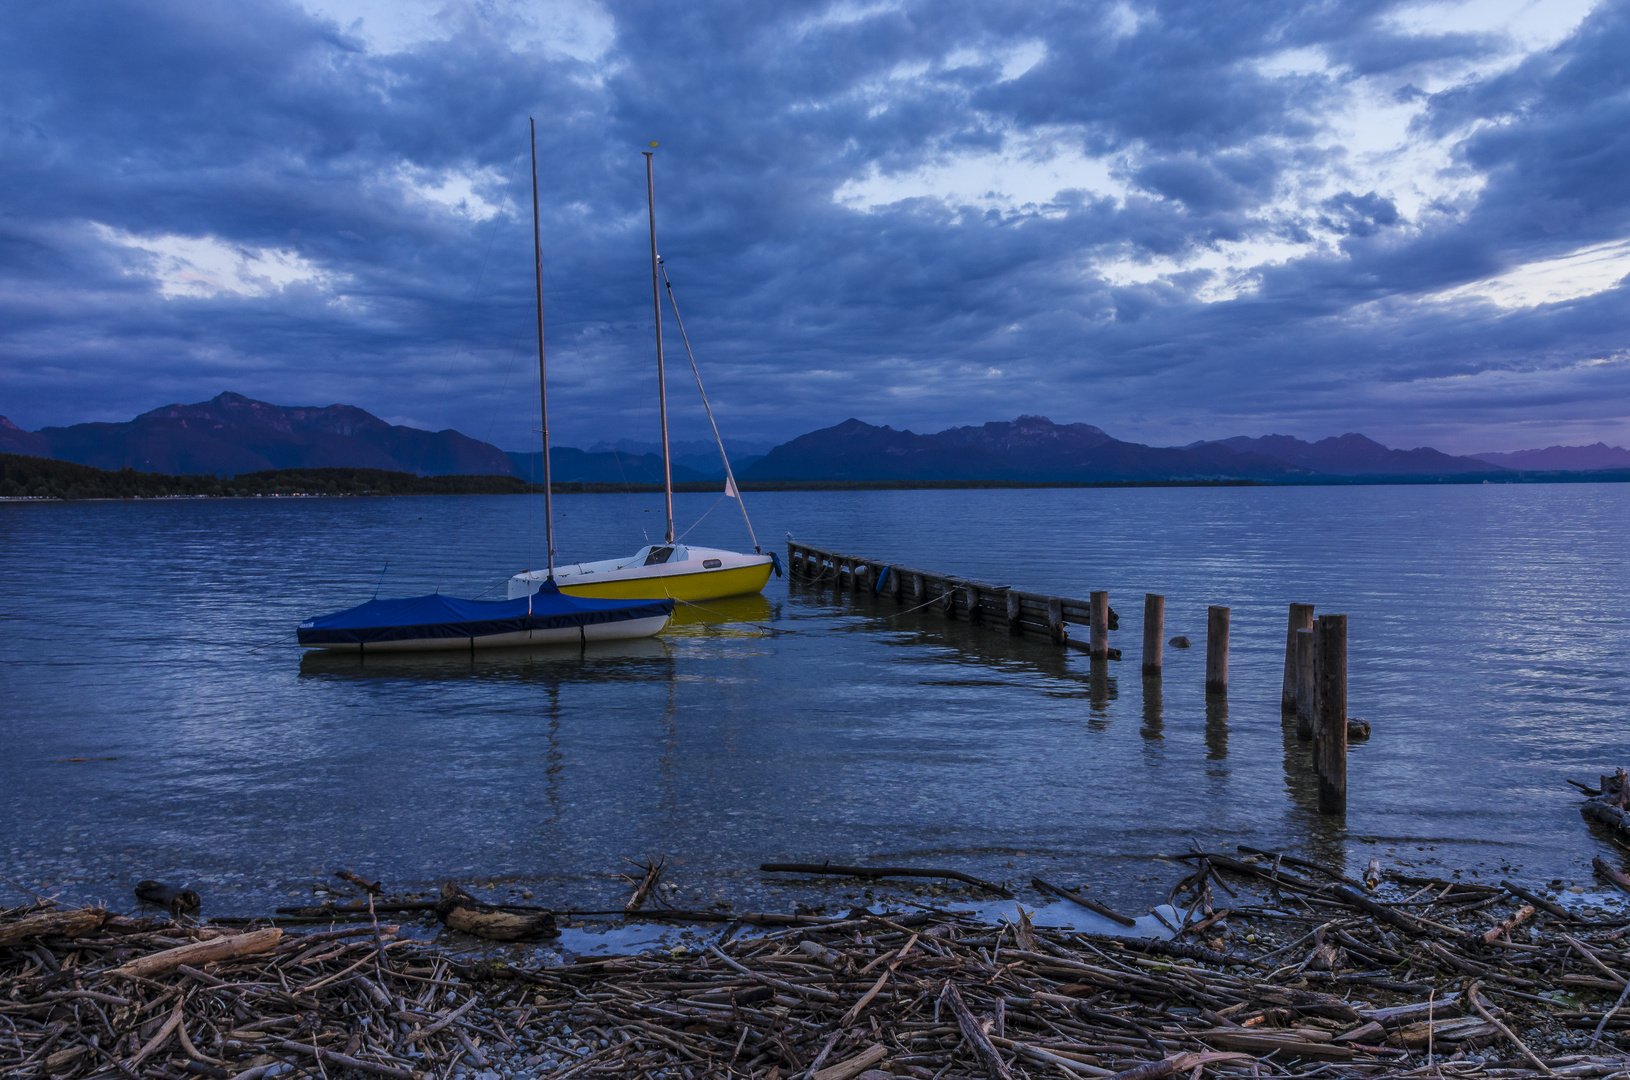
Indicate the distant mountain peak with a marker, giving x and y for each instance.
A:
(1597, 455)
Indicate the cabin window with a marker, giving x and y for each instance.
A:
(658, 556)
(712, 564)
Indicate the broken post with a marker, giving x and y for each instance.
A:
(1055, 619)
(1217, 650)
(1301, 618)
(1330, 721)
(1154, 632)
(1015, 624)
(1307, 692)
(1099, 621)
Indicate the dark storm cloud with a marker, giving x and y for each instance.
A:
(129, 128)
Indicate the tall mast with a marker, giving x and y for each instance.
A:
(662, 385)
(543, 388)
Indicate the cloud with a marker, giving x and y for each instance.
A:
(1171, 219)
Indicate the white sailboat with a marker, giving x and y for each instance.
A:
(670, 569)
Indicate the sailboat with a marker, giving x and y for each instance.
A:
(540, 615)
(670, 569)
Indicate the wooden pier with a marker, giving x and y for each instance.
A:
(954, 597)
(1313, 687)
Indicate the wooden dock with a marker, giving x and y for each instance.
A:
(997, 606)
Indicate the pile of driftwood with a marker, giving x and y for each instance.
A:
(1280, 967)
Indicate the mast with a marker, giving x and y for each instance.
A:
(543, 388)
(662, 385)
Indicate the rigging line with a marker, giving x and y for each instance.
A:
(729, 474)
(703, 518)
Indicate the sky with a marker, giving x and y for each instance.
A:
(1174, 220)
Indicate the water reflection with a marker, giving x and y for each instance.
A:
(641, 659)
(1216, 727)
(1154, 721)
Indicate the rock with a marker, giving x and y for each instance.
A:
(1358, 729)
(1179, 642)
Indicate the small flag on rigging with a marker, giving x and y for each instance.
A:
(730, 491)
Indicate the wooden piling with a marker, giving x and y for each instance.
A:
(1217, 650)
(1306, 688)
(894, 583)
(1015, 614)
(917, 596)
(1099, 642)
(1301, 618)
(1055, 619)
(1154, 632)
(970, 600)
(1330, 721)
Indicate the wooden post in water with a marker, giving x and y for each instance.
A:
(1154, 632)
(917, 596)
(1330, 724)
(1306, 688)
(1216, 650)
(970, 597)
(1098, 644)
(894, 582)
(859, 577)
(1055, 619)
(1015, 624)
(1301, 618)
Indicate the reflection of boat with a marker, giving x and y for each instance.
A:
(669, 568)
(623, 660)
(755, 608)
(540, 615)
(438, 623)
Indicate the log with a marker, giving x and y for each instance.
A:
(177, 901)
(69, 923)
(879, 872)
(1091, 905)
(201, 952)
(1099, 623)
(1301, 618)
(973, 1033)
(1154, 632)
(1307, 687)
(1619, 880)
(458, 910)
(1330, 722)
(846, 1070)
(1607, 814)
(1217, 650)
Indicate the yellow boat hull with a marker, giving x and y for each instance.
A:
(695, 587)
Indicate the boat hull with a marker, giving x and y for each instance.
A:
(565, 635)
(693, 587)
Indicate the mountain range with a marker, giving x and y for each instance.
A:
(232, 434)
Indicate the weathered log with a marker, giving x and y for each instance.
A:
(69, 923)
(1075, 898)
(880, 872)
(202, 952)
(458, 910)
(177, 901)
(1617, 877)
(1606, 813)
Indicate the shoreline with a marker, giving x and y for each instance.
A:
(1278, 967)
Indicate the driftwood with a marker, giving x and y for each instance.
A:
(458, 910)
(1076, 898)
(65, 924)
(881, 872)
(207, 951)
(176, 901)
(864, 996)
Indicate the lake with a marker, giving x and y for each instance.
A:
(1489, 646)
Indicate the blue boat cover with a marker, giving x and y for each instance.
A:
(413, 618)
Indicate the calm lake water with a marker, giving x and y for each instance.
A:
(1489, 646)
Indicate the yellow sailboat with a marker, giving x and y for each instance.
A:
(670, 569)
